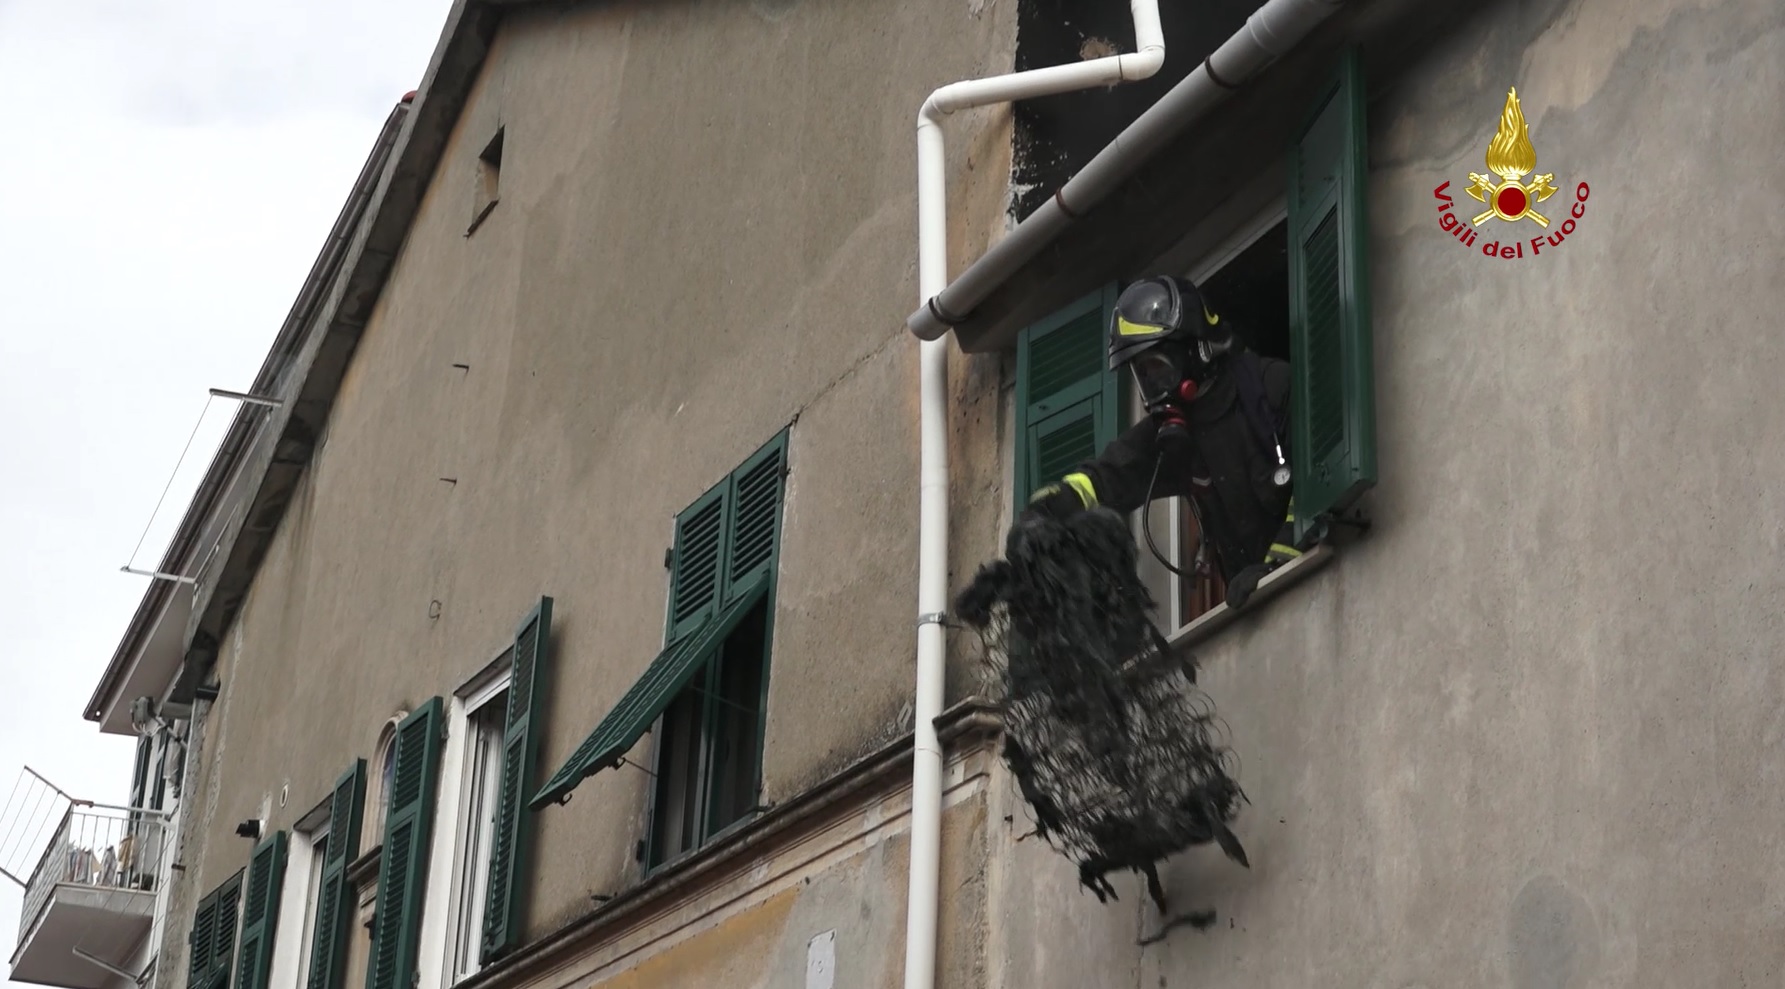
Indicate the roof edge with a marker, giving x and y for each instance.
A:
(312, 380)
(386, 195)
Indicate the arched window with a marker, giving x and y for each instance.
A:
(378, 794)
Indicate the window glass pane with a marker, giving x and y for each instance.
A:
(482, 792)
(737, 715)
(312, 894)
(678, 777)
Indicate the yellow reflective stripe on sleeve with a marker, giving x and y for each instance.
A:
(1082, 484)
(1286, 552)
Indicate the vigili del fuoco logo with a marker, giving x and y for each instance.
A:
(1511, 157)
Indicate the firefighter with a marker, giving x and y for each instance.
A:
(1214, 433)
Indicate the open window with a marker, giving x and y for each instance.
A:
(703, 698)
(1246, 281)
(479, 725)
(1295, 282)
(294, 930)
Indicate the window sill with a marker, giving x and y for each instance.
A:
(1221, 616)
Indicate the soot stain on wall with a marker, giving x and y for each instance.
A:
(1055, 136)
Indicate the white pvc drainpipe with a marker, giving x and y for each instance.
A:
(932, 560)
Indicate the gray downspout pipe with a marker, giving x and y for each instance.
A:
(1270, 33)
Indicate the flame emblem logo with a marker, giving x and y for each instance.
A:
(1510, 156)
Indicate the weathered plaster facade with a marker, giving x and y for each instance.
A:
(1521, 734)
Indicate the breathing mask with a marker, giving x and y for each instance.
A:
(1170, 356)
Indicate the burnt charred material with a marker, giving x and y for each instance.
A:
(1116, 750)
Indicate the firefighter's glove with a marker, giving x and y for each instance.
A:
(1057, 501)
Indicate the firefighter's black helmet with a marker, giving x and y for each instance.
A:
(1159, 310)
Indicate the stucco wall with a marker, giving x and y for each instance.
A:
(706, 230)
(1526, 732)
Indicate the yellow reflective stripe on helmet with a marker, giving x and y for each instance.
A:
(1127, 329)
(1209, 317)
(1082, 484)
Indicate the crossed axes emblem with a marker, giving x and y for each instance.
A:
(1510, 200)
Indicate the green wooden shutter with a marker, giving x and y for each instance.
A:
(753, 519)
(1332, 402)
(402, 870)
(697, 561)
(335, 900)
(200, 941)
(260, 914)
(223, 943)
(502, 912)
(727, 546)
(1067, 399)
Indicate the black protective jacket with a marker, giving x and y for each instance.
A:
(1226, 466)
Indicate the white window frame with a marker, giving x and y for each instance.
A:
(1167, 513)
(453, 872)
(297, 901)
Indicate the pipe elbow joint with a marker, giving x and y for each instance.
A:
(1142, 64)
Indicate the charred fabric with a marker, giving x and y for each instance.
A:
(1116, 750)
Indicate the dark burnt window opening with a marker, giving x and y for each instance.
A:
(1056, 136)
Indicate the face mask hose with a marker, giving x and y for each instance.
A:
(1146, 519)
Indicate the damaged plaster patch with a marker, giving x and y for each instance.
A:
(1095, 48)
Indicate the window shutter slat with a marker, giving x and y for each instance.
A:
(503, 919)
(1332, 403)
(260, 912)
(402, 869)
(753, 519)
(1067, 399)
(334, 907)
(698, 561)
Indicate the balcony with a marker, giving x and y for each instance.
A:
(91, 899)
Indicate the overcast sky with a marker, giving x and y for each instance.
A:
(168, 171)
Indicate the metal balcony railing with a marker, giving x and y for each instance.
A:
(96, 847)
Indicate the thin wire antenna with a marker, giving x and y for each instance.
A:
(170, 479)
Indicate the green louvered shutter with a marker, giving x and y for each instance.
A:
(260, 912)
(1067, 399)
(502, 913)
(753, 519)
(697, 561)
(403, 865)
(223, 944)
(1333, 409)
(200, 941)
(334, 901)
